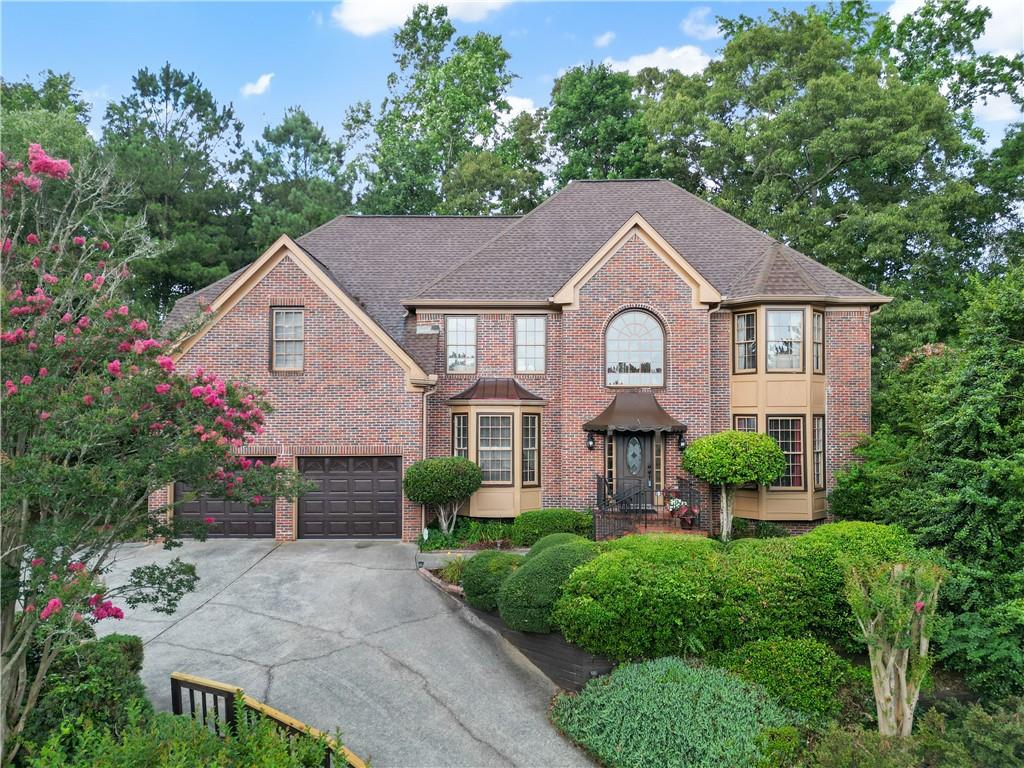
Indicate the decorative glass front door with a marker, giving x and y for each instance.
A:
(635, 466)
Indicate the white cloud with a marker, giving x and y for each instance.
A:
(997, 109)
(371, 17)
(688, 59)
(259, 87)
(602, 41)
(1004, 32)
(698, 24)
(519, 104)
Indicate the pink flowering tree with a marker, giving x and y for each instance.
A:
(95, 417)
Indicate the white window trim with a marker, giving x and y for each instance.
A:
(802, 341)
(651, 381)
(274, 340)
(448, 344)
(543, 344)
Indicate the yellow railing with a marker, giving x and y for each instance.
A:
(210, 709)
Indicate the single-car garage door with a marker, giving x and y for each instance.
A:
(356, 497)
(231, 519)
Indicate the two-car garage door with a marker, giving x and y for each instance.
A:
(355, 497)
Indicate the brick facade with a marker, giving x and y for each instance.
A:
(848, 386)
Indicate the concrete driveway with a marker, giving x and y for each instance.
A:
(347, 635)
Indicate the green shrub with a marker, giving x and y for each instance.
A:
(645, 596)
(666, 713)
(860, 748)
(173, 741)
(528, 596)
(467, 532)
(452, 570)
(484, 574)
(442, 484)
(764, 593)
(822, 555)
(533, 525)
(779, 747)
(96, 682)
(987, 647)
(804, 675)
(553, 540)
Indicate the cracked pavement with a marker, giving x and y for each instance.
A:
(345, 634)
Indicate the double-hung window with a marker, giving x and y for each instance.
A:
(494, 448)
(818, 342)
(461, 344)
(788, 432)
(819, 451)
(531, 334)
(531, 449)
(460, 435)
(744, 423)
(785, 339)
(745, 342)
(287, 339)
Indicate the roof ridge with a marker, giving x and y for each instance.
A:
(767, 257)
(487, 243)
(849, 280)
(717, 209)
(812, 282)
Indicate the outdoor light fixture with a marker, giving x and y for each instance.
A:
(682, 438)
(590, 441)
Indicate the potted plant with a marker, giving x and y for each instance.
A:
(686, 515)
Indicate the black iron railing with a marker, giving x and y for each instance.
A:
(622, 511)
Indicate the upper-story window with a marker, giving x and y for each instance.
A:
(461, 344)
(745, 342)
(818, 342)
(287, 339)
(785, 339)
(635, 351)
(531, 341)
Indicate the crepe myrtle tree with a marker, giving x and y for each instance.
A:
(733, 458)
(442, 484)
(894, 604)
(95, 417)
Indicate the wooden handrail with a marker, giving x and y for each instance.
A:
(268, 711)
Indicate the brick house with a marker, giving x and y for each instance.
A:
(570, 352)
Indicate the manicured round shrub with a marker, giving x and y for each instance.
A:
(644, 597)
(553, 540)
(528, 596)
(484, 574)
(803, 674)
(442, 484)
(764, 593)
(666, 714)
(533, 525)
(823, 555)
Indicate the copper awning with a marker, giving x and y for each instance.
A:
(486, 388)
(634, 412)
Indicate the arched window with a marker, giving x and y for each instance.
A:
(635, 351)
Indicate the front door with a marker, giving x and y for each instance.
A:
(634, 470)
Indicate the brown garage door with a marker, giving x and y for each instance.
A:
(231, 519)
(356, 497)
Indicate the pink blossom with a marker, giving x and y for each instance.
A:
(162, 389)
(12, 388)
(76, 331)
(32, 239)
(40, 162)
(66, 317)
(44, 372)
(87, 277)
(36, 562)
(36, 262)
(139, 325)
(52, 607)
(32, 183)
(44, 415)
(104, 245)
(166, 363)
(108, 314)
(100, 280)
(30, 608)
(32, 346)
(50, 279)
(114, 367)
(59, 339)
(104, 610)
(83, 321)
(209, 520)
(78, 240)
(26, 380)
(7, 246)
(88, 400)
(76, 566)
(76, 617)
(122, 310)
(918, 606)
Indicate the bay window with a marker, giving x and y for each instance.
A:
(531, 449)
(785, 339)
(788, 432)
(494, 448)
(745, 342)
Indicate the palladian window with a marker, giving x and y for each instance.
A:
(635, 351)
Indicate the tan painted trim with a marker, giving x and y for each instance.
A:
(703, 292)
(274, 714)
(285, 247)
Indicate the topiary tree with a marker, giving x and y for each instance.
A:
(894, 604)
(730, 459)
(443, 484)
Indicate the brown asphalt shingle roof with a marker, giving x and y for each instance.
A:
(381, 261)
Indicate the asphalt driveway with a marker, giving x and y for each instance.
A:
(347, 634)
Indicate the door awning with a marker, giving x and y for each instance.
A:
(634, 412)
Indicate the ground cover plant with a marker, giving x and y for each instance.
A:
(667, 714)
(467, 533)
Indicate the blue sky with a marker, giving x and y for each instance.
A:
(267, 56)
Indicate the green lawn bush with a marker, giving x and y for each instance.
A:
(803, 674)
(533, 525)
(667, 714)
(96, 681)
(553, 540)
(821, 555)
(645, 596)
(484, 574)
(467, 532)
(174, 741)
(528, 596)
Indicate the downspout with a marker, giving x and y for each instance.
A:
(423, 446)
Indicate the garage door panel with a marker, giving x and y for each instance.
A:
(356, 497)
(232, 518)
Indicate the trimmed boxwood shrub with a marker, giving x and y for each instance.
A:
(553, 540)
(666, 713)
(528, 596)
(484, 574)
(96, 681)
(822, 555)
(645, 596)
(803, 674)
(533, 525)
